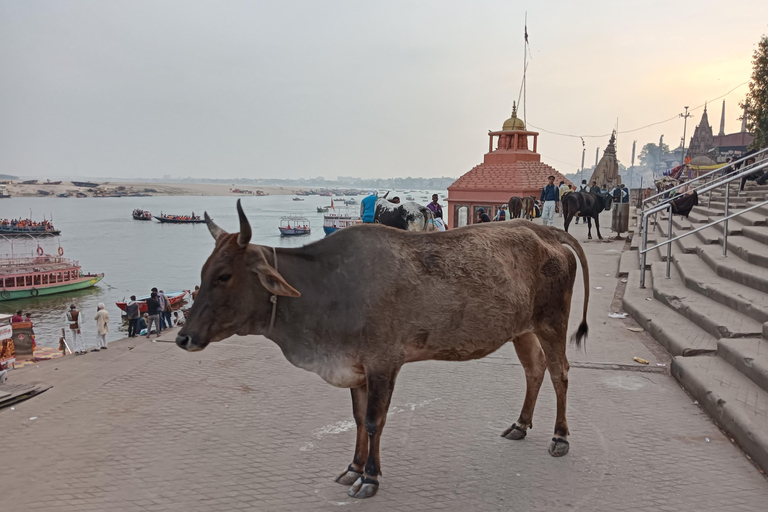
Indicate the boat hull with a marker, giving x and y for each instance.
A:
(294, 232)
(9, 232)
(328, 229)
(27, 292)
(179, 221)
(141, 218)
(173, 297)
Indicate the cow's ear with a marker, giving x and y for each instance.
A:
(274, 282)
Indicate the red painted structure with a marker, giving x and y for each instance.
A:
(509, 169)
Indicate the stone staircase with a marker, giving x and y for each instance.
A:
(712, 313)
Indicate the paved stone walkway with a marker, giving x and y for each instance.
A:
(146, 426)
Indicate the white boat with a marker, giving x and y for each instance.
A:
(294, 225)
(332, 222)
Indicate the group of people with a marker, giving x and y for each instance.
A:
(27, 224)
(368, 209)
(158, 315)
(73, 320)
(180, 217)
(17, 318)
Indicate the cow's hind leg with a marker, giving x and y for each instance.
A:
(355, 470)
(534, 363)
(597, 227)
(380, 386)
(553, 342)
(589, 228)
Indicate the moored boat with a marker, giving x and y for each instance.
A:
(332, 222)
(322, 209)
(29, 182)
(28, 227)
(173, 297)
(297, 199)
(180, 219)
(22, 277)
(139, 214)
(88, 184)
(294, 225)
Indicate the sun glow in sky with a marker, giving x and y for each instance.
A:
(346, 87)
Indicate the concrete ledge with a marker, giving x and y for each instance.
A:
(759, 233)
(720, 390)
(717, 320)
(748, 249)
(749, 356)
(738, 271)
(673, 332)
(629, 262)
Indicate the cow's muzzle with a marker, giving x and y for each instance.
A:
(187, 344)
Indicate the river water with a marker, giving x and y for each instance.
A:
(136, 255)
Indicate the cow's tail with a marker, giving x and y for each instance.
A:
(570, 241)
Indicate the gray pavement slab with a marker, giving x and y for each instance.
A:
(147, 426)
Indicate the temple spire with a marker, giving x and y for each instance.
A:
(722, 121)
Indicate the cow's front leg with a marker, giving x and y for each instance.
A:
(380, 387)
(597, 227)
(359, 405)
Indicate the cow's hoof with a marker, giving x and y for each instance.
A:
(514, 433)
(363, 487)
(348, 477)
(558, 447)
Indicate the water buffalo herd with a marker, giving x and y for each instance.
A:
(356, 306)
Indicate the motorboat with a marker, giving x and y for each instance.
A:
(294, 225)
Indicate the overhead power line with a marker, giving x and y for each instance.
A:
(640, 128)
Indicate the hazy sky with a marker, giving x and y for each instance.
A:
(375, 89)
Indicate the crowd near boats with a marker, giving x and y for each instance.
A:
(21, 227)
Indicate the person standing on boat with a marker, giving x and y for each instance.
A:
(153, 310)
(102, 325)
(17, 318)
(75, 334)
(368, 207)
(132, 311)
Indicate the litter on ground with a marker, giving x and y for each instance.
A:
(640, 360)
(617, 315)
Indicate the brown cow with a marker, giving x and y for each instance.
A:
(343, 307)
(529, 211)
(515, 207)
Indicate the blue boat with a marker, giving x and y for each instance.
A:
(332, 222)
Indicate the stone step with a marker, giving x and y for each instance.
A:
(699, 277)
(753, 218)
(734, 268)
(674, 332)
(719, 321)
(628, 262)
(749, 356)
(747, 249)
(759, 233)
(737, 404)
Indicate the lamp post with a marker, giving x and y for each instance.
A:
(632, 165)
(583, 152)
(685, 125)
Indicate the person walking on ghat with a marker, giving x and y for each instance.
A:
(102, 327)
(595, 190)
(550, 196)
(435, 206)
(153, 310)
(163, 301)
(368, 207)
(75, 334)
(132, 311)
(166, 313)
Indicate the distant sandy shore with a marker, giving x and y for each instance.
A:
(154, 189)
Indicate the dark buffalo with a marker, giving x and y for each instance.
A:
(586, 204)
(409, 216)
(344, 307)
(515, 207)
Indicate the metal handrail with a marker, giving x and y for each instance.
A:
(711, 186)
(742, 159)
(668, 206)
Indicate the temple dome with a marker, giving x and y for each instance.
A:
(514, 122)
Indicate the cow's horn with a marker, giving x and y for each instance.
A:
(215, 230)
(245, 227)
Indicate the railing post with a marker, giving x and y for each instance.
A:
(643, 246)
(669, 240)
(725, 222)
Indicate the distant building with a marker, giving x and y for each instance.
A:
(508, 169)
(702, 142)
(733, 144)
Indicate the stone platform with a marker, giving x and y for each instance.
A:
(146, 426)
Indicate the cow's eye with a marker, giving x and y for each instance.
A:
(224, 278)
